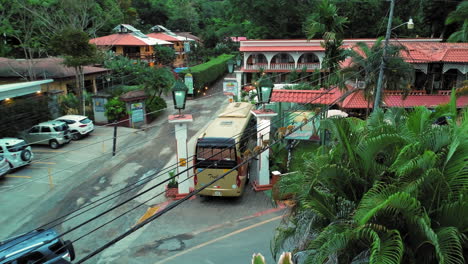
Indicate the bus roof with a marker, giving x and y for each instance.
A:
(231, 123)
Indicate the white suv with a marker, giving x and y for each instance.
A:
(4, 166)
(79, 126)
(16, 152)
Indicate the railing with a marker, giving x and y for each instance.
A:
(282, 66)
(138, 56)
(309, 65)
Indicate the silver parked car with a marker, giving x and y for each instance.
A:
(53, 133)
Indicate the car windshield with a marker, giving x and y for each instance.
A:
(17, 147)
(85, 121)
(62, 127)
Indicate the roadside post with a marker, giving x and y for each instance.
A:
(114, 140)
(180, 121)
(264, 91)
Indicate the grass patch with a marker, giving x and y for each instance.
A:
(297, 155)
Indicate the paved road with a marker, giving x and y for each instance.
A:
(144, 155)
(53, 168)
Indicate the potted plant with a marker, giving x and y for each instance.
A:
(172, 187)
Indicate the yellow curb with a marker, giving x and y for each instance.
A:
(18, 176)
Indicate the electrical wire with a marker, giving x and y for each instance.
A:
(169, 179)
(152, 188)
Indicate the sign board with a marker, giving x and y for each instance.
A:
(308, 131)
(182, 162)
(188, 80)
(187, 47)
(230, 86)
(99, 104)
(137, 112)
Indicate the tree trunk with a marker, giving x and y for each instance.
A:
(82, 89)
(78, 90)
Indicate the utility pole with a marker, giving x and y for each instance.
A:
(378, 92)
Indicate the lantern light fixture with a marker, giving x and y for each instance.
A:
(179, 95)
(230, 65)
(264, 90)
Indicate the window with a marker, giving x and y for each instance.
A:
(45, 129)
(67, 121)
(204, 153)
(34, 130)
(61, 128)
(17, 147)
(84, 121)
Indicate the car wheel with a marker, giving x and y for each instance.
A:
(76, 135)
(25, 155)
(68, 244)
(54, 144)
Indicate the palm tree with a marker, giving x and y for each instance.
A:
(327, 23)
(391, 189)
(459, 16)
(365, 62)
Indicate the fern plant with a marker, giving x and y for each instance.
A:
(391, 189)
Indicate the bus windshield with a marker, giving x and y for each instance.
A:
(216, 157)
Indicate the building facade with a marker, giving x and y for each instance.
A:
(437, 66)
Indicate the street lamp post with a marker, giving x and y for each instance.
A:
(410, 25)
(179, 95)
(264, 91)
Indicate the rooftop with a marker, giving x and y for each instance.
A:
(44, 68)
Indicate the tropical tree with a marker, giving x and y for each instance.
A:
(164, 55)
(74, 46)
(459, 16)
(391, 189)
(330, 26)
(365, 62)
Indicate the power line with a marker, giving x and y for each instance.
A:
(152, 188)
(175, 204)
(145, 191)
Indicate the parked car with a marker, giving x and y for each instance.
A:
(16, 152)
(53, 133)
(80, 126)
(4, 166)
(39, 246)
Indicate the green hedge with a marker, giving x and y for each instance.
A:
(208, 72)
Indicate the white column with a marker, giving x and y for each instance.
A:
(263, 134)
(239, 84)
(180, 123)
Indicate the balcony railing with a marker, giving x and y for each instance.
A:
(282, 66)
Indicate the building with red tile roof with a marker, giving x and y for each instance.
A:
(356, 99)
(130, 42)
(437, 65)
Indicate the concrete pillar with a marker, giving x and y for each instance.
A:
(239, 84)
(263, 138)
(180, 122)
(94, 86)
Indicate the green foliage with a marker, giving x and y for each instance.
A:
(173, 182)
(154, 105)
(390, 189)
(459, 16)
(70, 104)
(75, 47)
(115, 109)
(206, 73)
(164, 55)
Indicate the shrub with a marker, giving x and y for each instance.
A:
(115, 109)
(173, 182)
(155, 104)
(206, 73)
